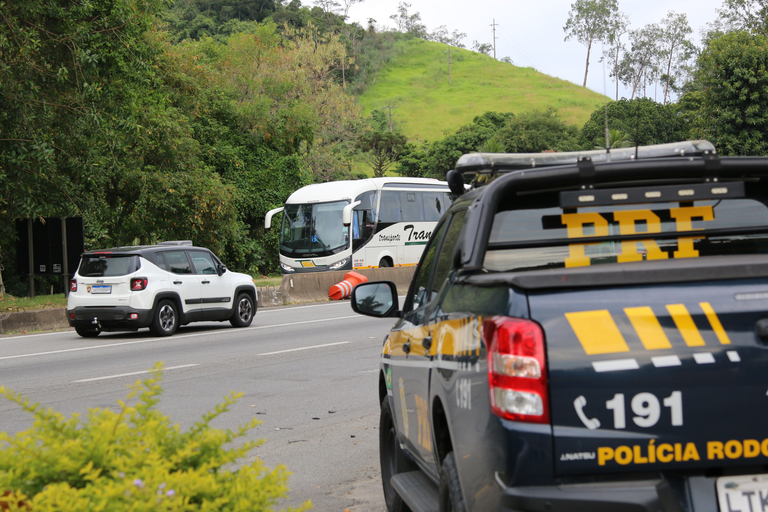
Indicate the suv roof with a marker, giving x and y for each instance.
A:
(142, 250)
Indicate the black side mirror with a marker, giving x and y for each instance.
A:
(221, 268)
(377, 298)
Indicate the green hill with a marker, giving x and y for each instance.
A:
(416, 81)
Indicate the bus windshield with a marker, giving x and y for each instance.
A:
(313, 230)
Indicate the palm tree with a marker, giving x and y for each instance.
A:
(618, 139)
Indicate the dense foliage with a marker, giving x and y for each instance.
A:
(733, 83)
(133, 458)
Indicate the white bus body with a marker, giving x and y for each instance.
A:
(390, 221)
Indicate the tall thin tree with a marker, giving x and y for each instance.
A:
(588, 22)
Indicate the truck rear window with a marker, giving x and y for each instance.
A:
(106, 265)
(553, 237)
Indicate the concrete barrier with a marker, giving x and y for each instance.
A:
(314, 286)
(43, 320)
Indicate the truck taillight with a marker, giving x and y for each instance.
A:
(517, 369)
(73, 285)
(138, 283)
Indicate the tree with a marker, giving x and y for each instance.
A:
(409, 23)
(619, 27)
(675, 49)
(537, 131)
(588, 22)
(507, 59)
(640, 63)
(380, 149)
(749, 15)
(643, 120)
(733, 78)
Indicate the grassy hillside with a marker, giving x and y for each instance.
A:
(427, 105)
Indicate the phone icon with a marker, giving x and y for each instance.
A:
(590, 423)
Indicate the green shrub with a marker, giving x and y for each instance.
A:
(133, 459)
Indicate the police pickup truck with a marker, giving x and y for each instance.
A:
(585, 332)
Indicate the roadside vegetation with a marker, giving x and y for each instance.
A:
(134, 458)
(191, 121)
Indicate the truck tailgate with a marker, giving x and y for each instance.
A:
(657, 377)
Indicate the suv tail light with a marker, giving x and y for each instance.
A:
(138, 283)
(517, 369)
(73, 285)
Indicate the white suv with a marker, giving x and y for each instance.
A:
(159, 286)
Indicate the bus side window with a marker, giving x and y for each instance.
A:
(390, 207)
(411, 206)
(435, 205)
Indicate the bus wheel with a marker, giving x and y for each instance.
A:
(385, 263)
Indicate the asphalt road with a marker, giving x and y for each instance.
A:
(308, 372)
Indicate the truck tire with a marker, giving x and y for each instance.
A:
(165, 319)
(449, 491)
(392, 459)
(87, 333)
(242, 316)
(385, 263)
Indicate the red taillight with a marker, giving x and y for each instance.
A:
(73, 285)
(517, 369)
(138, 283)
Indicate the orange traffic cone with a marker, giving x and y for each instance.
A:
(343, 289)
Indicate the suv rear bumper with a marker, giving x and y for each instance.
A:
(637, 496)
(117, 318)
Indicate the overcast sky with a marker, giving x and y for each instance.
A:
(531, 32)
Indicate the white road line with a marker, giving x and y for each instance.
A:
(615, 365)
(275, 310)
(150, 340)
(733, 356)
(304, 348)
(117, 376)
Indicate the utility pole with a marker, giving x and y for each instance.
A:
(449, 52)
(390, 107)
(493, 26)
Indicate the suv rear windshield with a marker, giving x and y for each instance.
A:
(106, 265)
(538, 238)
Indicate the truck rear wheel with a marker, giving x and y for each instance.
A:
(449, 492)
(392, 458)
(385, 263)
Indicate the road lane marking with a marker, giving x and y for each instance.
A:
(150, 340)
(117, 376)
(304, 348)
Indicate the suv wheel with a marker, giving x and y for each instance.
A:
(244, 310)
(165, 319)
(449, 492)
(87, 333)
(392, 459)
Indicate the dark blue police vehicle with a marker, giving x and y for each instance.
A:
(587, 331)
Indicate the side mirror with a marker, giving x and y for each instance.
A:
(377, 298)
(221, 268)
(270, 214)
(346, 214)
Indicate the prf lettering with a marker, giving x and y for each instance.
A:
(628, 221)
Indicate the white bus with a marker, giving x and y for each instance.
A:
(370, 223)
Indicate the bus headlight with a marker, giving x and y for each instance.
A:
(286, 268)
(338, 264)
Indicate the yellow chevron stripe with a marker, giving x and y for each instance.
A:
(715, 323)
(597, 332)
(685, 325)
(648, 328)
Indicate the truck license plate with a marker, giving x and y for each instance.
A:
(101, 289)
(745, 492)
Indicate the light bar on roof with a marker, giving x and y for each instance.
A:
(646, 194)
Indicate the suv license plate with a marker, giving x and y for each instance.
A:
(745, 492)
(101, 289)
